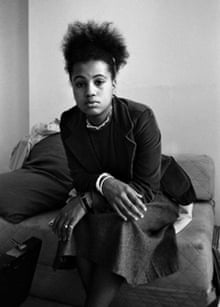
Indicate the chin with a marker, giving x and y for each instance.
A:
(92, 111)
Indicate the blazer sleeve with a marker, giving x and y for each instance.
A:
(147, 158)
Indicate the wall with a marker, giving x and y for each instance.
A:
(14, 115)
(174, 65)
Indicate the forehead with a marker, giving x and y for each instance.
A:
(91, 69)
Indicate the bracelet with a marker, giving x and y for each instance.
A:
(98, 181)
(102, 182)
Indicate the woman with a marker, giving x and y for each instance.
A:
(120, 221)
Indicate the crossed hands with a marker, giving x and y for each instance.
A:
(124, 199)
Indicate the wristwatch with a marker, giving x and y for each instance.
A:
(86, 201)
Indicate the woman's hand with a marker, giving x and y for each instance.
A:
(67, 219)
(124, 199)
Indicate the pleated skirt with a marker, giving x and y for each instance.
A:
(140, 251)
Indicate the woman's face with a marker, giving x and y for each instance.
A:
(93, 89)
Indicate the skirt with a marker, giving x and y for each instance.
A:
(140, 251)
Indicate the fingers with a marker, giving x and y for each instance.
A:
(134, 211)
(120, 213)
(67, 232)
(127, 210)
(70, 232)
(62, 228)
(137, 200)
(64, 231)
(66, 220)
(130, 206)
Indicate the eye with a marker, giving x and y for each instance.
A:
(79, 84)
(99, 82)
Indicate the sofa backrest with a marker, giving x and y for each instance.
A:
(200, 169)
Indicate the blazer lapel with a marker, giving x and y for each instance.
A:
(126, 145)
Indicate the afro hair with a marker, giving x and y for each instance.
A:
(93, 41)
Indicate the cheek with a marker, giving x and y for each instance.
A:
(110, 93)
(77, 98)
(76, 93)
(109, 90)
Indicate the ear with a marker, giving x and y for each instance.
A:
(114, 83)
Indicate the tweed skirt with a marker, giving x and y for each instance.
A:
(140, 251)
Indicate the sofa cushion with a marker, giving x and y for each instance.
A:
(41, 184)
(200, 169)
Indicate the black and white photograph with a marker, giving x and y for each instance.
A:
(109, 153)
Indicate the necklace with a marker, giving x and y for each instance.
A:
(91, 126)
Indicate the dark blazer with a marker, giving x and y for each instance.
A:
(138, 143)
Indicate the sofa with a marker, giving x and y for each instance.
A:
(191, 286)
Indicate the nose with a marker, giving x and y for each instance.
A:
(90, 90)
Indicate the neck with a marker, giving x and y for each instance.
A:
(98, 124)
(98, 120)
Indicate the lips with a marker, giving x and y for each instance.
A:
(92, 103)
